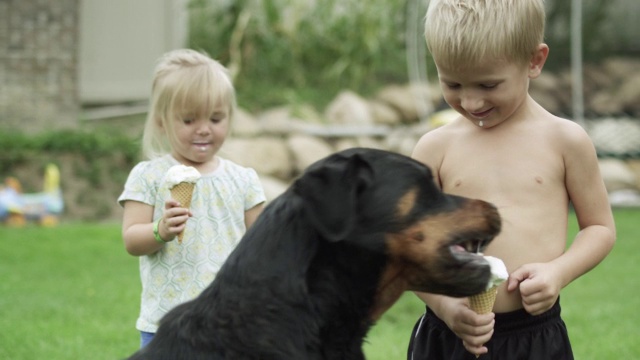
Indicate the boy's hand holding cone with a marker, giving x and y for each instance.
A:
(181, 180)
(483, 303)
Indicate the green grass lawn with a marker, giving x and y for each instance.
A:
(72, 292)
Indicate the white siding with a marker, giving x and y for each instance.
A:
(120, 41)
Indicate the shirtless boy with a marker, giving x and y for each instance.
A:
(506, 149)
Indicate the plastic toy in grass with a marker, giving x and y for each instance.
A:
(16, 207)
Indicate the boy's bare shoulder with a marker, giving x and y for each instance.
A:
(443, 134)
(566, 125)
(434, 146)
(434, 143)
(569, 133)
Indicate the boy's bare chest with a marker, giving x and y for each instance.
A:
(493, 170)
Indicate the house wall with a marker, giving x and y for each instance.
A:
(57, 56)
(120, 41)
(38, 79)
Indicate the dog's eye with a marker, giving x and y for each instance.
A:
(418, 236)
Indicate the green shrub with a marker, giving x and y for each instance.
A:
(291, 46)
(292, 51)
(17, 147)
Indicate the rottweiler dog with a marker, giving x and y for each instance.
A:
(327, 258)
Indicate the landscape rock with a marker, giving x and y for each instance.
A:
(244, 124)
(268, 155)
(615, 136)
(617, 175)
(349, 108)
(306, 150)
(411, 101)
(384, 114)
(629, 94)
(272, 186)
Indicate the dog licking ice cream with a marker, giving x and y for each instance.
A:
(483, 303)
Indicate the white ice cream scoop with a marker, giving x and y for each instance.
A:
(499, 272)
(180, 173)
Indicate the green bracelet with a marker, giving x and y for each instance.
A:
(156, 232)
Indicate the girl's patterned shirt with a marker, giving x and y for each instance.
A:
(179, 272)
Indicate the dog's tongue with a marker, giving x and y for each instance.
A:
(458, 248)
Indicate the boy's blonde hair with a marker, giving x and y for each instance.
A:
(465, 32)
(185, 83)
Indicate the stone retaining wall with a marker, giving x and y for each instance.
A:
(280, 145)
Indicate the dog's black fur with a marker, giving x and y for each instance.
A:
(327, 258)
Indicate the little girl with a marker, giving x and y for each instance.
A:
(192, 102)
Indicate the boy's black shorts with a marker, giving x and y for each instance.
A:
(517, 336)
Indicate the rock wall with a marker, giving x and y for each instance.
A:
(611, 88)
(281, 142)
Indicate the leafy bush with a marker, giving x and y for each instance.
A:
(292, 51)
(17, 147)
(293, 46)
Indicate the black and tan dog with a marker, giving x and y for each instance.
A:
(327, 258)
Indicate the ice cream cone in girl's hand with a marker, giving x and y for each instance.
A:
(181, 181)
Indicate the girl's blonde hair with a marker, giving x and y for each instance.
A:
(185, 82)
(465, 32)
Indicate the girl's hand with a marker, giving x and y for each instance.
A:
(174, 220)
(539, 287)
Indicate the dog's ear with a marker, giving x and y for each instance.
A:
(330, 192)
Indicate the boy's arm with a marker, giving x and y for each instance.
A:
(591, 203)
(540, 284)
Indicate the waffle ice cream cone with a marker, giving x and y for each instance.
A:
(181, 180)
(483, 303)
(182, 193)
